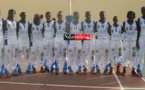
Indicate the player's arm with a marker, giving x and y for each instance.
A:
(43, 30)
(123, 28)
(29, 31)
(109, 31)
(4, 26)
(96, 30)
(17, 29)
(54, 29)
(67, 28)
(82, 28)
(138, 33)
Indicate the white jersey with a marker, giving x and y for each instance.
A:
(130, 31)
(102, 30)
(60, 29)
(75, 29)
(49, 30)
(1, 30)
(37, 36)
(116, 32)
(88, 28)
(142, 25)
(10, 33)
(23, 37)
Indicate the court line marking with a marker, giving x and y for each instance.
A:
(143, 78)
(58, 85)
(118, 80)
(136, 88)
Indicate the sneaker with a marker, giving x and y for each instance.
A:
(20, 73)
(15, 74)
(97, 73)
(8, 75)
(70, 72)
(92, 71)
(79, 72)
(105, 73)
(52, 70)
(133, 73)
(124, 71)
(41, 70)
(34, 70)
(111, 71)
(84, 71)
(2, 76)
(28, 71)
(140, 74)
(65, 72)
(118, 70)
(56, 72)
(47, 70)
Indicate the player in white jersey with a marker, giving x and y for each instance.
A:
(115, 45)
(10, 43)
(102, 43)
(60, 44)
(1, 48)
(23, 43)
(129, 43)
(75, 46)
(88, 27)
(141, 41)
(37, 43)
(48, 42)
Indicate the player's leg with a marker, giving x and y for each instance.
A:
(63, 55)
(34, 58)
(133, 58)
(7, 54)
(118, 56)
(125, 56)
(2, 61)
(27, 60)
(57, 56)
(19, 57)
(71, 53)
(41, 57)
(91, 57)
(84, 56)
(46, 54)
(141, 56)
(14, 59)
(98, 48)
(78, 58)
(112, 53)
(106, 55)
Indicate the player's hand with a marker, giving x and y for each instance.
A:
(137, 45)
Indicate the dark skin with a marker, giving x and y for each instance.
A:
(88, 20)
(115, 22)
(139, 28)
(102, 20)
(11, 16)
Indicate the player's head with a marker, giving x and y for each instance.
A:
(11, 13)
(102, 15)
(131, 15)
(23, 15)
(60, 15)
(143, 10)
(88, 15)
(115, 19)
(53, 19)
(37, 18)
(76, 16)
(48, 16)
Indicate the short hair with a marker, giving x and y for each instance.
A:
(103, 12)
(75, 13)
(87, 12)
(142, 8)
(47, 13)
(59, 12)
(22, 13)
(130, 12)
(115, 17)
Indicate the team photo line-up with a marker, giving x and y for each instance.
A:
(46, 41)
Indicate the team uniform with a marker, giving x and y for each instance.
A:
(88, 45)
(75, 48)
(129, 43)
(37, 45)
(60, 45)
(115, 44)
(1, 47)
(48, 44)
(102, 45)
(23, 45)
(141, 21)
(11, 46)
